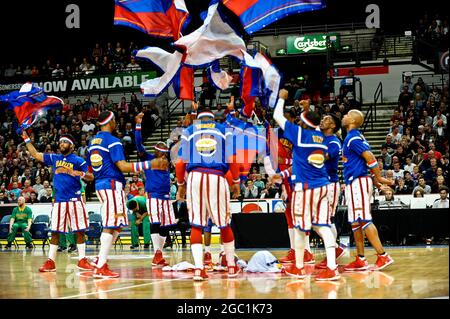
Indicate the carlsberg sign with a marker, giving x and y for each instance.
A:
(308, 43)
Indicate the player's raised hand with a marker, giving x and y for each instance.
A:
(194, 106)
(25, 135)
(283, 94)
(230, 105)
(139, 117)
(235, 190)
(305, 104)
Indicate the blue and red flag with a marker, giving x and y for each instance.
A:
(257, 14)
(183, 83)
(159, 18)
(29, 103)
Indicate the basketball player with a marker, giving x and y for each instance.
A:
(309, 200)
(107, 159)
(157, 187)
(69, 209)
(204, 152)
(358, 158)
(329, 125)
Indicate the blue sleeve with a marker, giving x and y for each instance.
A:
(117, 153)
(48, 159)
(140, 147)
(333, 150)
(359, 146)
(291, 132)
(183, 151)
(83, 165)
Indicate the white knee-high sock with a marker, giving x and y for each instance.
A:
(307, 246)
(197, 253)
(162, 241)
(81, 251)
(299, 238)
(52, 252)
(329, 243)
(105, 246)
(291, 237)
(229, 252)
(155, 240)
(334, 231)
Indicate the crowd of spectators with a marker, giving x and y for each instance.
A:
(433, 28)
(416, 149)
(101, 60)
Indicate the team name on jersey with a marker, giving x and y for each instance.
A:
(63, 164)
(286, 144)
(317, 139)
(96, 141)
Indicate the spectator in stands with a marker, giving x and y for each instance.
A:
(387, 158)
(418, 192)
(439, 120)
(401, 188)
(3, 198)
(38, 185)
(271, 191)
(398, 172)
(405, 97)
(327, 87)
(133, 66)
(250, 191)
(259, 182)
(396, 135)
(409, 181)
(88, 125)
(14, 192)
(82, 150)
(437, 184)
(348, 84)
(423, 186)
(97, 51)
(21, 219)
(43, 191)
(58, 71)
(27, 190)
(135, 183)
(423, 88)
(47, 197)
(407, 82)
(409, 166)
(442, 201)
(33, 198)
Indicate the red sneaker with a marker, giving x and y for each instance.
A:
(328, 274)
(295, 272)
(104, 272)
(383, 261)
(357, 265)
(84, 264)
(233, 271)
(322, 264)
(158, 258)
(339, 252)
(290, 257)
(308, 257)
(200, 274)
(207, 259)
(48, 266)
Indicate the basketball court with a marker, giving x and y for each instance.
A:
(418, 272)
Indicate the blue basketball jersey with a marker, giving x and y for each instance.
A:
(334, 153)
(354, 164)
(67, 187)
(309, 154)
(246, 136)
(103, 152)
(206, 146)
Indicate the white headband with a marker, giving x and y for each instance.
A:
(109, 118)
(306, 121)
(66, 139)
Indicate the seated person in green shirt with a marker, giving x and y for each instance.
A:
(138, 205)
(21, 218)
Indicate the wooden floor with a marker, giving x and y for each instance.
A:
(418, 272)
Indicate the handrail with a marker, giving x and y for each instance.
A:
(371, 113)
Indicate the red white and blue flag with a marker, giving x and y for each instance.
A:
(257, 14)
(29, 103)
(159, 18)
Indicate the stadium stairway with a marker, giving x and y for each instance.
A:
(377, 136)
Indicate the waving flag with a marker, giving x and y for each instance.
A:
(29, 103)
(257, 14)
(159, 18)
(217, 77)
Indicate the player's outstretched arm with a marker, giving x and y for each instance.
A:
(88, 176)
(30, 147)
(126, 167)
(138, 138)
(278, 114)
(375, 170)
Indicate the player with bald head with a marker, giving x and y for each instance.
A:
(358, 161)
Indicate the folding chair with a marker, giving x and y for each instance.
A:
(40, 228)
(94, 232)
(4, 227)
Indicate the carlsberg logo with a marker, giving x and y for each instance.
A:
(306, 44)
